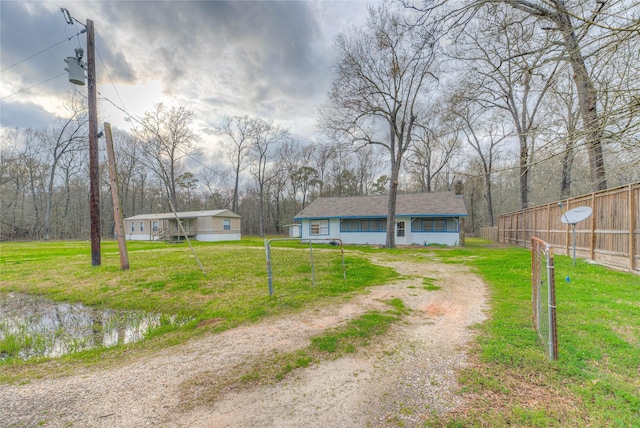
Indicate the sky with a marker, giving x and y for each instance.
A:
(268, 59)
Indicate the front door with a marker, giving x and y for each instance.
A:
(400, 233)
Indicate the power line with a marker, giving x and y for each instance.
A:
(223, 177)
(42, 51)
(31, 87)
(110, 79)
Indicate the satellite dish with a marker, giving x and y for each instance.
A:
(576, 215)
(572, 217)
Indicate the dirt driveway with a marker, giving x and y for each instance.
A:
(394, 383)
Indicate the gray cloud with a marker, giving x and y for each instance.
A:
(263, 58)
(24, 115)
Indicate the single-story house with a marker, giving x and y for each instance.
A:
(213, 225)
(421, 218)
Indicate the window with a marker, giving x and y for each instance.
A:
(363, 225)
(319, 227)
(154, 226)
(142, 226)
(400, 229)
(349, 225)
(133, 226)
(435, 225)
(226, 224)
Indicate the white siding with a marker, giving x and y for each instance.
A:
(214, 237)
(379, 238)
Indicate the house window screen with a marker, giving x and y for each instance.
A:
(133, 226)
(319, 227)
(226, 224)
(154, 226)
(349, 225)
(142, 226)
(363, 225)
(435, 224)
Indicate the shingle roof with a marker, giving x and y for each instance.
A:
(184, 214)
(417, 204)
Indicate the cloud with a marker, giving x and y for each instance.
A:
(263, 58)
(24, 115)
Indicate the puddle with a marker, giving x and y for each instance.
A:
(33, 326)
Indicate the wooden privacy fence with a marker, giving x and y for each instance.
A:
(489, 232)
(611, 236)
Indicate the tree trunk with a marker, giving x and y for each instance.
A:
(524, 173)
(587, 99)
(391, 206)
(565, 180)
(488, 197)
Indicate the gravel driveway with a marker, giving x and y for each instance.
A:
(398, 382)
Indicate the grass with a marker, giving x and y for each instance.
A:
(355, 336)
(164, 278)
(596, 380)
(428, 284)
(510, 381)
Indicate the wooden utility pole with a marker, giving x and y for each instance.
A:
(115, 198)
(94, 167)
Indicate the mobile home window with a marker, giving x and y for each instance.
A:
(319, 227)
(142, 226)
(226, 224)
(154, 226)
(133, 226)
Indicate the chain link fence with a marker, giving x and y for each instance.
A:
(294, 265)
(543, 294)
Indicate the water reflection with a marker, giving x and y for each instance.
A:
(33, 326)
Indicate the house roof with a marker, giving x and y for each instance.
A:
(416, 204)
(185, 214)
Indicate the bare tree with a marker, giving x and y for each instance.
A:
(13, 182)
(296, 161)
(217, 192)
(511, 71)
(367, 166)
(167, 139)
(437, 143)
(132, 173)
(266, 136)
(240, 130)
(484, 131)
(62, 139)
(573, 23)
(32, 158)
(382, 74)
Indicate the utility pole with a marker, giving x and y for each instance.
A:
(94, 166)
(76, 76)
(115, 198)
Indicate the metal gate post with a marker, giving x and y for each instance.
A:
(267, 246)
(313, 273)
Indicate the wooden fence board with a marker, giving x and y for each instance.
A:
(611, 235)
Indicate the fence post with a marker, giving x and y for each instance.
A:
(553, 332)
(313, 272)
(632, 227)
(267, 246)
(592, 249)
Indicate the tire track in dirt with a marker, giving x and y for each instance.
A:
(411, 373)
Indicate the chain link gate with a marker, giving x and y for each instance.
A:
(287, 255)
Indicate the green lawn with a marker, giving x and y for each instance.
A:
(596, 380)
(165, 278)
(511, 382)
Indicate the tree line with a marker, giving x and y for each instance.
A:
(524, 101)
